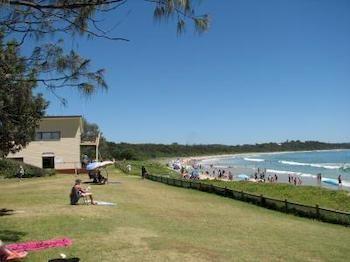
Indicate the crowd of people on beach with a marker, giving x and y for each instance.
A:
(294, 179)
(194, 169)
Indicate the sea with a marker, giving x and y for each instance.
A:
(306, 164)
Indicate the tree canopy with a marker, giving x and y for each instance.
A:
(50, 64)
(20, 109)
(35, 20)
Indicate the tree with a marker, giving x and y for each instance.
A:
(49, 64)
(37, 19)
(20, 110)
(91, 131)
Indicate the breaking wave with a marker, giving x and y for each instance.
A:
(254, 159)
(326, 166)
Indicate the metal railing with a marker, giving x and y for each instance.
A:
(314, 212)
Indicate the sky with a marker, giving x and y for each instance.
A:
(266, 71)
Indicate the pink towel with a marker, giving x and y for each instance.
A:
(39, 245)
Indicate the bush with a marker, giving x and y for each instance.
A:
(9, 169)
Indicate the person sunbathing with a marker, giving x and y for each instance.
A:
(8, 255)
(81, 192)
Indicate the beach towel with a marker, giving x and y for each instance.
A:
(39, 245)
(103, 203)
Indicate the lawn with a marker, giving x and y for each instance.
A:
(307, 195)
(156, 222)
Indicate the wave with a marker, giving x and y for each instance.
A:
(344, 183)
(254, 159)
(290, 173)
(326, 166)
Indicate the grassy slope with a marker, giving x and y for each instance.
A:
(310, 195)
(155, 222)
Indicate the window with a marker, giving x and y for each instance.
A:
(39, 136)
(48, 162)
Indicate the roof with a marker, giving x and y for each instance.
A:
(80, 117)
(68, 116)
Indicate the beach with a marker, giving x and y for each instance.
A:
(284, 165)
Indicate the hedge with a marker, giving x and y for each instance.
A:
(9, 169)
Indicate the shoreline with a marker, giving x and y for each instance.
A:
(307, 179)
(201, 158)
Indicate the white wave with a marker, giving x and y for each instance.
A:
(220, 166)
(290, 173)
(326, 166)
(254, 159)
(346, 184)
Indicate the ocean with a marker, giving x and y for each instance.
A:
(306, 164)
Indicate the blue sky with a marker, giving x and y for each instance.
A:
(267, 70)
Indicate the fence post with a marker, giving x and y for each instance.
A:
(262, 200)
(200, 186)
(286, 205)
(317, 212)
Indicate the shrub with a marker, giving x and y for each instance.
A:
(9, 169)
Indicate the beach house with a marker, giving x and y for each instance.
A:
(57, 144)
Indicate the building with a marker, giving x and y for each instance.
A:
(57, 144)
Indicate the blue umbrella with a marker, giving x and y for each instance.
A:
(92, 166)
(243, 177)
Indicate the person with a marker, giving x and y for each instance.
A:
(8, 255)
(340, 181)
(85, 161)
(144, 173)
(182, 170)
(20, 172)
(295, 180)
(101, 179)
(230, 177)
(92, 175)
(78, 191)
(299, 181)
(276, 178)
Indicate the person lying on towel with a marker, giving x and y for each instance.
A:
(8, 255)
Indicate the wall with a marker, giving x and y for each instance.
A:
(66, 150)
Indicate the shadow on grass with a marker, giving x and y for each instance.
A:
(6, 212)
(93, 183)
(74, 259)
(11, 235)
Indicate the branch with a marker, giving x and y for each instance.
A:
(76, 5)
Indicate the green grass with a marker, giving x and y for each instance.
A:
(308, 195)
(152, 166)
(155, 222)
